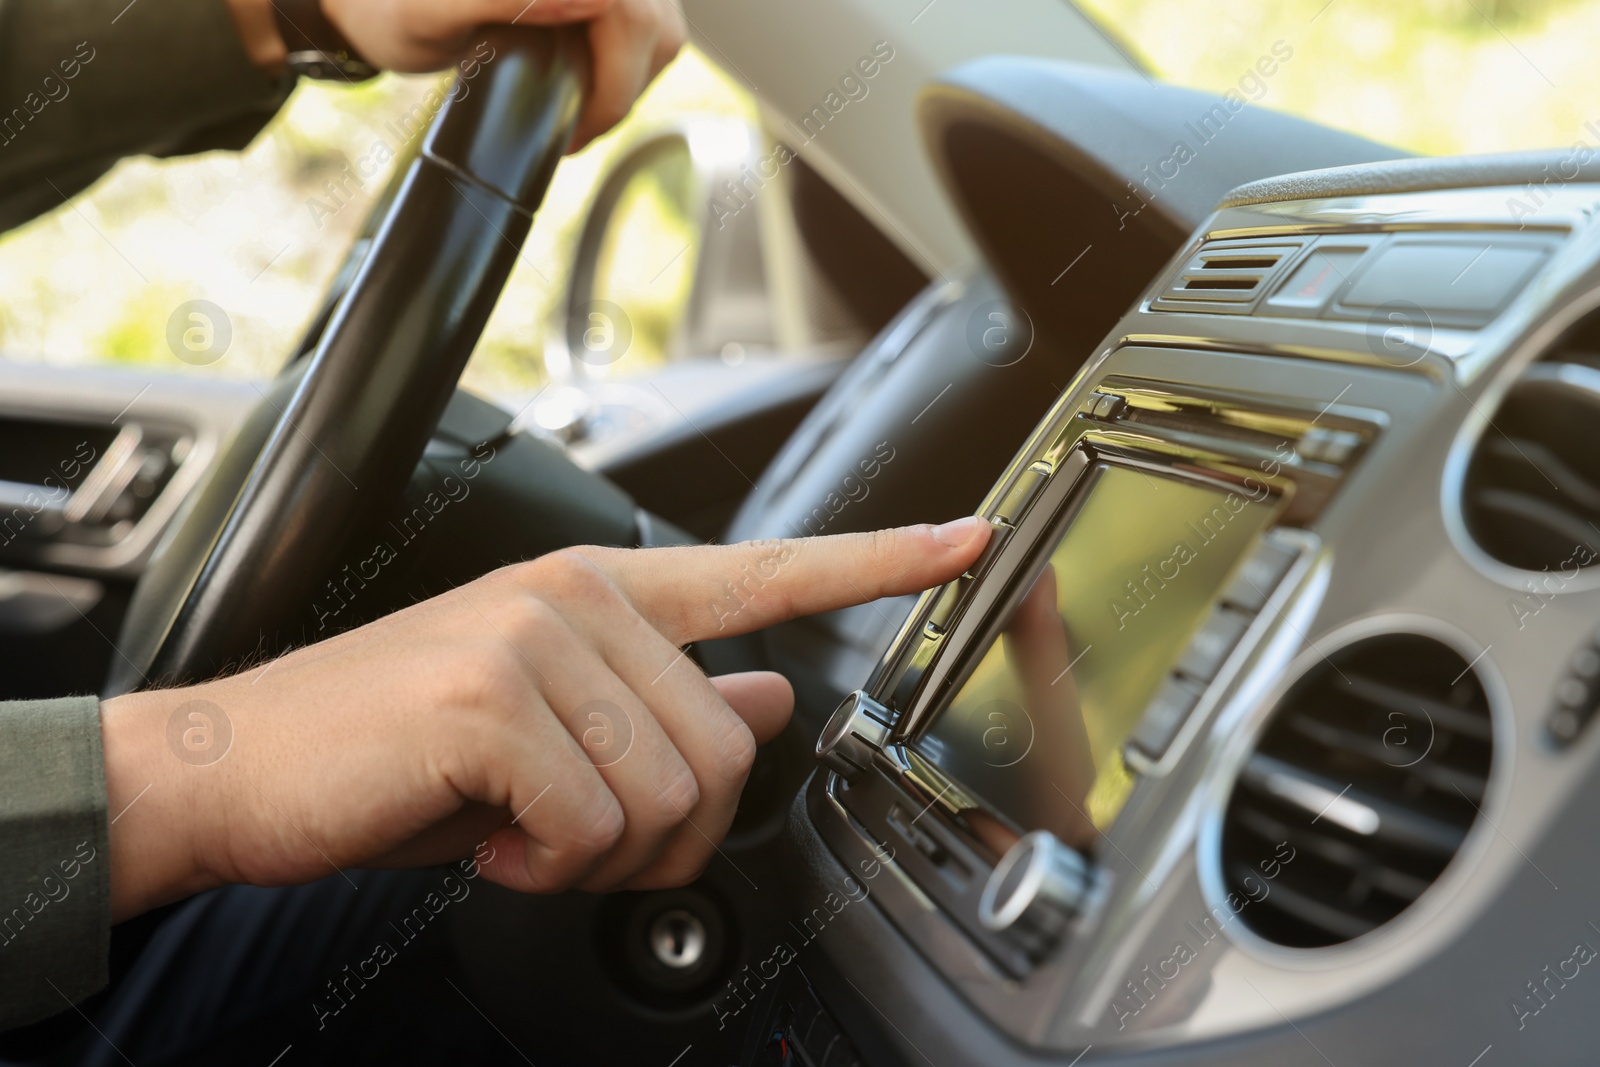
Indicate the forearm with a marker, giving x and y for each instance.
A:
(160, 750)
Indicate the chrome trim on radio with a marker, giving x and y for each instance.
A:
(949, 844)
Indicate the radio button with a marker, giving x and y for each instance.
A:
(857, 731)
(999, 533)
(1322, 445)
(1107, 406)
(1164, 717)
(955, 595)
(916, 665)
(1258, 576)
(944, 609)
(1037, 888)
(1212, 643)
(919, 838)
(1022, 495)
(1577, 696)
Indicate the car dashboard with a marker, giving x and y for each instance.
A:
(1259, 728)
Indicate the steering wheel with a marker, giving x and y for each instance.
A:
(245, 561)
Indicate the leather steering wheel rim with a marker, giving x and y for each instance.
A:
(348, 438)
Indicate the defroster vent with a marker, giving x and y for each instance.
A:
(1224, 277)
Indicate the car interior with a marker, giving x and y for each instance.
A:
(1257, 734)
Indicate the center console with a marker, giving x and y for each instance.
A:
(1132, 548)
(1093, 785)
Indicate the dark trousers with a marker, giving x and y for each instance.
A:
(284, 977)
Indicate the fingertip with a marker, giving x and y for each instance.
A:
(960, 533)
(959, 541)
(941, 552)
(508, 861)
(763, 699)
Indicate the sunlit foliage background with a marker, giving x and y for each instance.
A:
(1431, 76)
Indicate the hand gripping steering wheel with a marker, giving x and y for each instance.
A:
(245, 563)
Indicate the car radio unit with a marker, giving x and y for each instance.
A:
(1136, 543)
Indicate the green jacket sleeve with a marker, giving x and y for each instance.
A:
(55, 863)
(85, 82)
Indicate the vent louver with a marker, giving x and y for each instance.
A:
(1531, 497)
(1360, 792)
(1224, 278)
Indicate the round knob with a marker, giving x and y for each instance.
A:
(857, 730)
(1035, 890)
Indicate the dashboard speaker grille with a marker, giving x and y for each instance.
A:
(1531, 496)
(1360, 792)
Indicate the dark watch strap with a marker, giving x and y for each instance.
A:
(316, 47)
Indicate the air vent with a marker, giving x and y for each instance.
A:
(1359, 794)
(1531, 497)
(1224, 278)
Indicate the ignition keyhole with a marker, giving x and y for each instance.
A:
(678, 939)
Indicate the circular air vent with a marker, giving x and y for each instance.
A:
(1531, 497)
(1365, 783)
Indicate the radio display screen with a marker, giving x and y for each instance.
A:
(1037, 730)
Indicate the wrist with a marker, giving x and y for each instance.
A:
(258, 31)
(158, 800)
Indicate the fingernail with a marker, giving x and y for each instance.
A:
(959, 532)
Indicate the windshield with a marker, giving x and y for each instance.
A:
(1430, 76)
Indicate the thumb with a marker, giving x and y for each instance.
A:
(763, 699)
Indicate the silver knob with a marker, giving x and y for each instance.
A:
(857, 730)
(1035, 890)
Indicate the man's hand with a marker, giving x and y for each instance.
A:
(630, 40)
(546, 708)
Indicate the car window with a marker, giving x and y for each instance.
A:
(215, 264)
(654, 218)
(647, 254)
(1445, 76)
